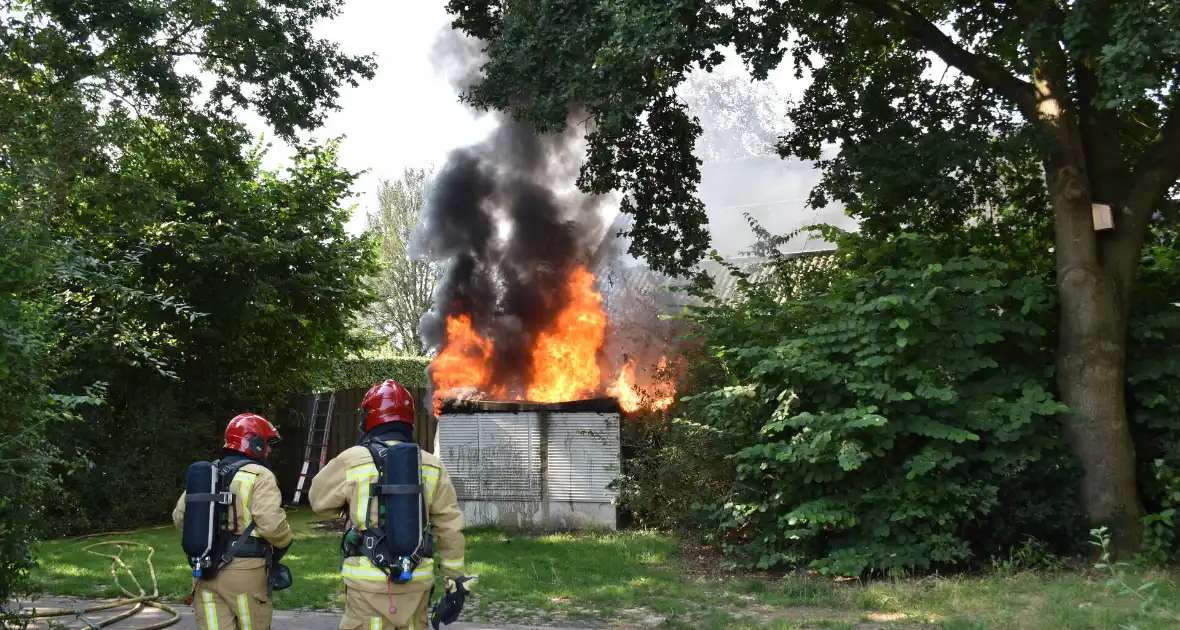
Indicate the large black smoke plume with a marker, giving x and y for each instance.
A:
(506, 233)
(507, 223)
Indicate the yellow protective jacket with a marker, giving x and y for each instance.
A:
(345, 481)
(256, 500)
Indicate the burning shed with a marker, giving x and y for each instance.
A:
(532, 364)
(524, 464)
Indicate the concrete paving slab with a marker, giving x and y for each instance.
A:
(283, 619)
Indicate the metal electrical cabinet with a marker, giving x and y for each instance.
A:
(523, 464)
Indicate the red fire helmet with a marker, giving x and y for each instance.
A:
(251, 434)
(387, 401)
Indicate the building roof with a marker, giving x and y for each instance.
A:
(593, 405)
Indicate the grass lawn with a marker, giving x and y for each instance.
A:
(635, 579)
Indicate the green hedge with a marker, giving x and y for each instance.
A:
(409, 371)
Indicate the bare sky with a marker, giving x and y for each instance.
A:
(406, 115)
(410, 116)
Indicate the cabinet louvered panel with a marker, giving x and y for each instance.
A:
(492, 456)
(458, 445)
(510, 457)
(583, 454)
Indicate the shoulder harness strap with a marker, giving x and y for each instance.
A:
(229, 471)
(227, 474)
(377, 450)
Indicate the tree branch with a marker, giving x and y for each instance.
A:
(979, 67)
(1099, 128)
(203, 53)
(1105, 162)
(1158, 169)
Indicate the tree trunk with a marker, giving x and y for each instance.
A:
(1091, 358)
(1091, 364)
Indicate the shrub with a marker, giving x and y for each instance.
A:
(30, 360)
(1153, 386)
(669, 464)
(136, 448)
(231, 304)
(872, 424)
(26, 370)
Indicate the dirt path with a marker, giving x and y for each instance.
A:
(283, 619)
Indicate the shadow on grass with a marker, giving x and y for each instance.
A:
(628, 575)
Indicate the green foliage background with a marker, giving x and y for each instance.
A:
(901, 412)
(871, 423)
(1153, 380)
(889, 407)
(350, 373)
(270, 283)
(154, 280)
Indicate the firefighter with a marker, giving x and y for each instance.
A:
(381, 593)
(238, 593)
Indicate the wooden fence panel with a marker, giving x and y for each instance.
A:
(344, 433)
(291, 421)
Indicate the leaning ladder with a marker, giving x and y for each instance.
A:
(318, 425)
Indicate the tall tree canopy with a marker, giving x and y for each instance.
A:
(146, 260)
(404, 284)
(1085, 90)
(261, 55)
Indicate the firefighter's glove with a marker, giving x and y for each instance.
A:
(279, 553)
(450, 606)
(280, 577)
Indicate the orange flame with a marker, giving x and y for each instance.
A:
(565, 357)
(464, 362)
(630, 399)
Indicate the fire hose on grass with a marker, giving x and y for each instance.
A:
(137, 602)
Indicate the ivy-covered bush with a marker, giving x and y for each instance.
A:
(349, 373)
(873, 424)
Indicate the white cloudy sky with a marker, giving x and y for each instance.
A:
(406, 115)
(410, 116)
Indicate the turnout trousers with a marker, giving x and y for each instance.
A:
(234, 600)
(366, 610)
